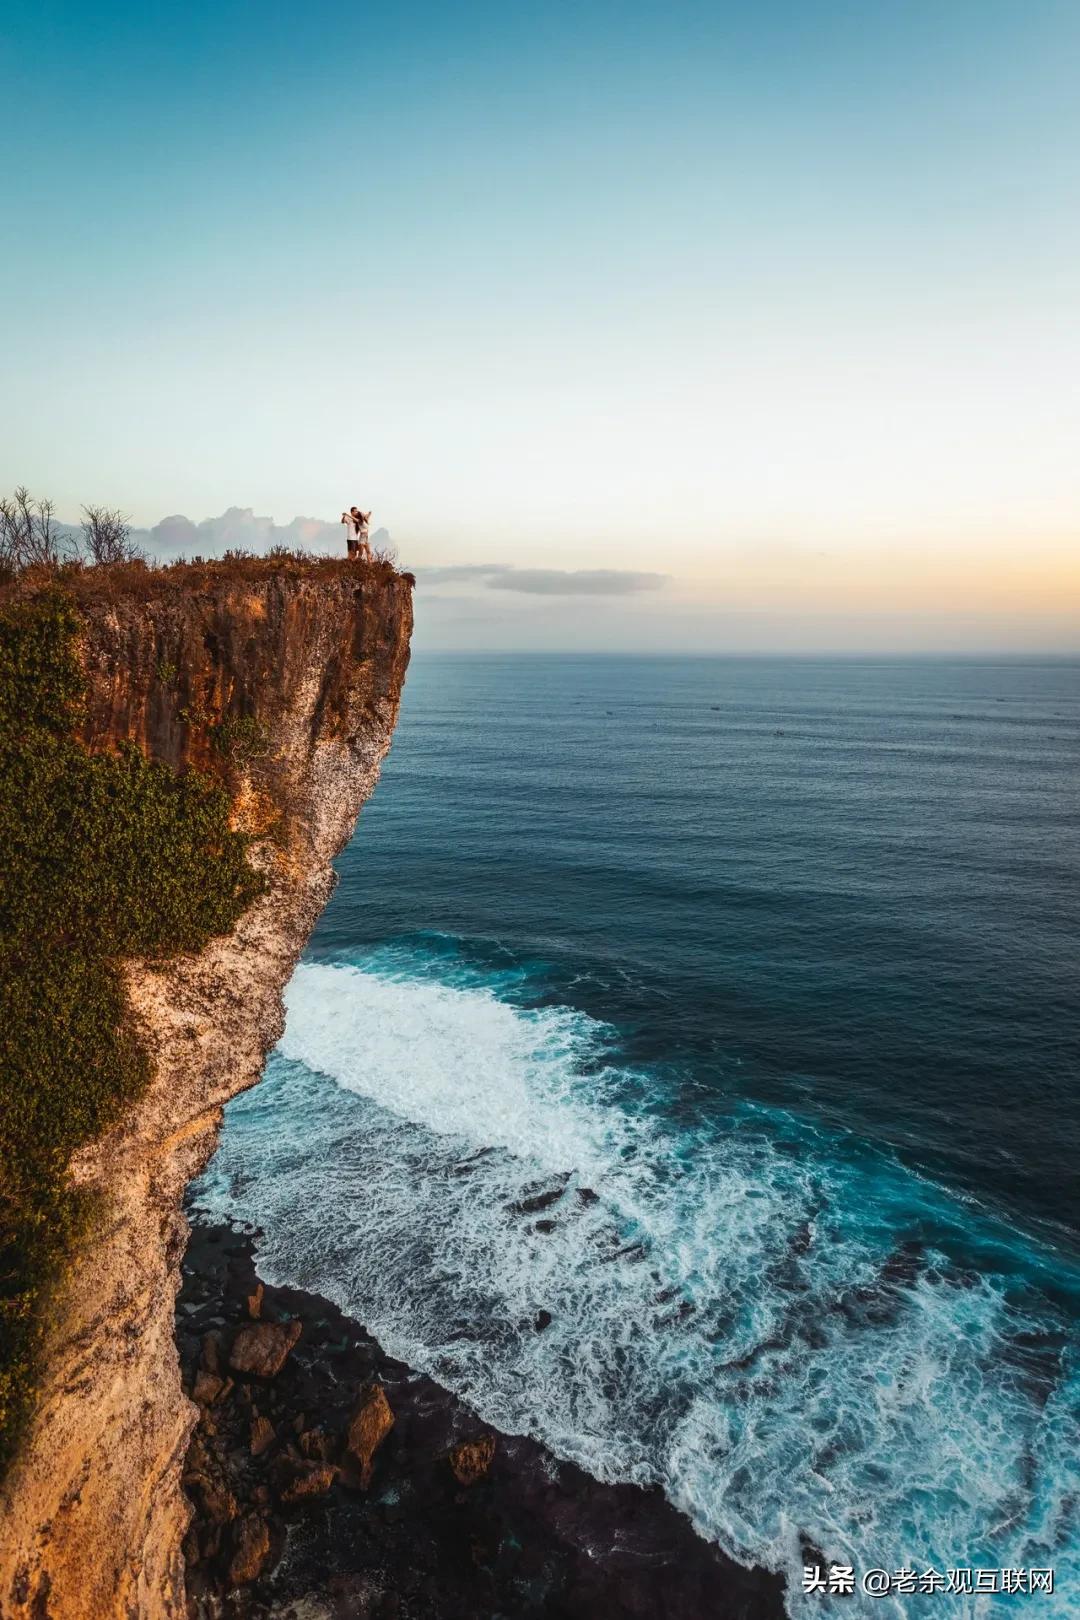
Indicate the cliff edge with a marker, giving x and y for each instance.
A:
(281, 679)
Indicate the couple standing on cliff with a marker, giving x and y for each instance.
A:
(356, 531)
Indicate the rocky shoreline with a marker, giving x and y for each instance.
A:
(331, 1482)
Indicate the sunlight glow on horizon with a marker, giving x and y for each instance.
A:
(782, 305)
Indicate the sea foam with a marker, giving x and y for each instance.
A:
(805, 1345)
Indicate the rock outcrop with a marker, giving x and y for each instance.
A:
(368, 1428)
(283, 680)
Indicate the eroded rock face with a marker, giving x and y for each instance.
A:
(285, 683)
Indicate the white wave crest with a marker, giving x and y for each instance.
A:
(718, 1305)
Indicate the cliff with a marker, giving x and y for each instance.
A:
(283, 681)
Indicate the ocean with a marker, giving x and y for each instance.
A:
(685, 1073)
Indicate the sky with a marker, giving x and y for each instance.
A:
(720, 326)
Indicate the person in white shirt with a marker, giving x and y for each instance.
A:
(352, 532)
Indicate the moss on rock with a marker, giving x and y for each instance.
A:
(105, 857)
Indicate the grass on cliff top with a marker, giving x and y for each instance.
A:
(105, 857)
(135, 578)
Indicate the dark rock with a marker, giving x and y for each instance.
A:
(262, 1348)
(317, 1445)
(537, 1202)
(210, 1542)
(536, 1538)
(210, 1352)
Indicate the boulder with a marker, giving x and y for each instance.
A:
(262, 1435)
(250, 1549)
(219, 1503)
(368, 1428)
(310, 1479)
(208, 1387)
(254, 1302)
(471, 1459)
(261, 1348)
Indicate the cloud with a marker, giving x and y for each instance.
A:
(544, 581)
(576, 582)
(240, 528)
(457, 573)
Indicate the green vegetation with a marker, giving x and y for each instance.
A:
(105, 857)
(241, 737)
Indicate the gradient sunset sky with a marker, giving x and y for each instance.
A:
(778, 300)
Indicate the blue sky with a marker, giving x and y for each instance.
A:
(779, 300)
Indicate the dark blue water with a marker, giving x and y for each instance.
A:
(724, 1011)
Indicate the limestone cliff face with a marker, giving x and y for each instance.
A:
(285, 682)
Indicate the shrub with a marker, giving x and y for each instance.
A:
(105, 857)
(241, 737)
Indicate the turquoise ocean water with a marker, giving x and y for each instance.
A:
(686, 1072)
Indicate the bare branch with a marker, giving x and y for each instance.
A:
(29, 537)
(107, 536)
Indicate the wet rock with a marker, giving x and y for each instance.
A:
(262, 1348)
(369, 1426)
(262, 1435)
(802, 1238)
(311, 1479)
(539, 1201)
(251, 1549)
(254, 1302)
(471, 1459)
(427, 1545)
(544, 1226)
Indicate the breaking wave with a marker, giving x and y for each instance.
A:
(800, 1340)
